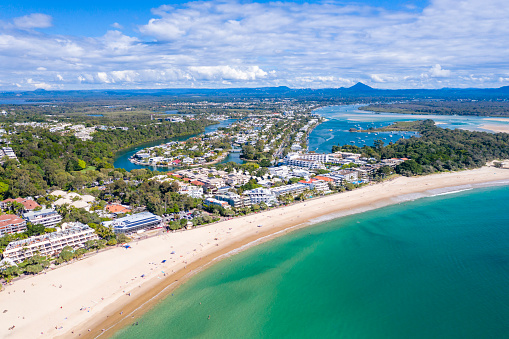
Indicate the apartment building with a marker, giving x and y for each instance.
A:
(50, 244)
(46, 217)
(10, 223)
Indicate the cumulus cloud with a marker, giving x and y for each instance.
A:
(234, 43)
(35, 20)
(117, 25)
(38, 84)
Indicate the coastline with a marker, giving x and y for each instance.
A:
(100, 283)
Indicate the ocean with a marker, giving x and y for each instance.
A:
(436, 267)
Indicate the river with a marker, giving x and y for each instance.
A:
(122, 157)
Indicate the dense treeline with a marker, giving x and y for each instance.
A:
(159, 198)
(453, 107)
(439, 149)
(51, 160)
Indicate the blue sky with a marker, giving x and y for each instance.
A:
(300, 44)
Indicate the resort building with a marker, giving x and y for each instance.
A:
(235, 200)
(28, 204)
(193, 191)
(318, 185)
(343, 175)
(293, 189)
(295, 159)
(134, 223)
(46, 217)
(50, 244)
(215, 202)
(259, 195)
(10, 223)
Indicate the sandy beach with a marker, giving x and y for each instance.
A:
(496, 128)
(108, 289)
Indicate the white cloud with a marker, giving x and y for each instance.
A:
(227, 72)
(38, 84)
(42, 69)
(227, 43)
(35, 20)
(117, 25)
(437, 72)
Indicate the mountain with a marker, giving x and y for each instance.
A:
(360, 87)
(357, 93)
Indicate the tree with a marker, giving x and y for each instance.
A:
(409, 168)
(122, 238)
(10, 273)
(3, 189)
(67, 254)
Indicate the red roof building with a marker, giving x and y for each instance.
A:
(117, 209)
(197, 183)
(28, 204)
(10, 223)
(319, 177)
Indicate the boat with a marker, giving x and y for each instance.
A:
(330, 130)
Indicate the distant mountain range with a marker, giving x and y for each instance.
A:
(357, 92)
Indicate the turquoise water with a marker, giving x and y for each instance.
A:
(432, 268)
(342, 118)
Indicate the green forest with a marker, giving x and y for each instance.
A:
(63, 161)
(445, 107)
(438, 149)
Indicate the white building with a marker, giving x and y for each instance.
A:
(134, 223)
(192, 191)
(46, 217)
(215, 202)
(50, 244)
(259, 195)
(318, 185)
(293, 189)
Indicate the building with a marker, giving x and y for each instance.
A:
(46, 217)
(215, 202)
(295, 159)
(259, 195)
(8, 152)
(341, 176)
(50, 244)
(235, 200)
(293, 189)
(281, 171)
(193, 191)
(323, 158)
(28, 204)
(10, 223)
(134, 223)
(318, 185)
(118, 209)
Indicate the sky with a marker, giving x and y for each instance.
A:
(67, 45)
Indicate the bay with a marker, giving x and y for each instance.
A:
(435, 267)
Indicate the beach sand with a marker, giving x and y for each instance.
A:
(496, 128)
(103, 290)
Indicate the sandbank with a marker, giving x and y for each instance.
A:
(496, 128)
(108, 289)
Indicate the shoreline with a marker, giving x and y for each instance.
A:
(95, 290)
